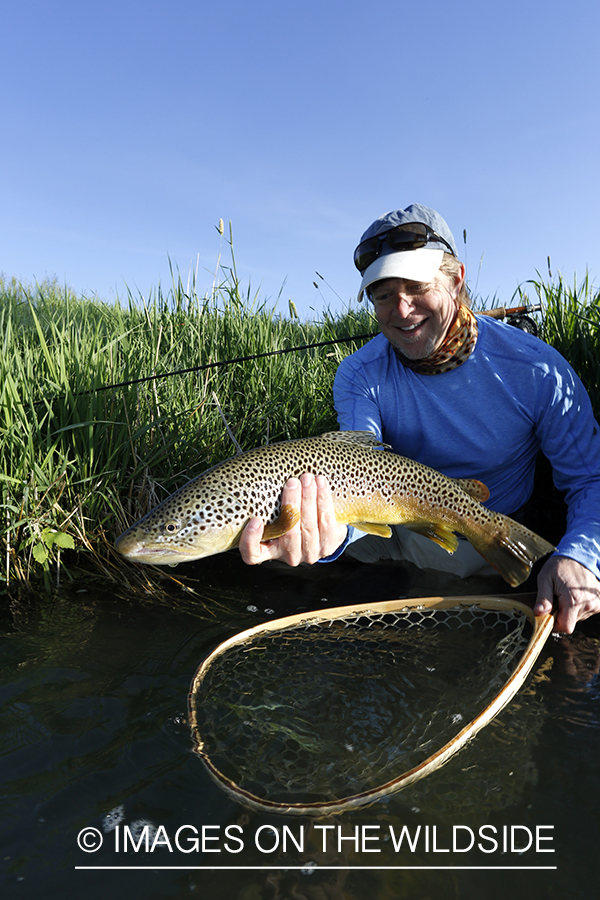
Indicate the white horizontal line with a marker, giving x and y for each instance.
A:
(319, 868)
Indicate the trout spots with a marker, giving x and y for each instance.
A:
(369, 485)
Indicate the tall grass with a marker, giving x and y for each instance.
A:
(571, 324)
(80, 462)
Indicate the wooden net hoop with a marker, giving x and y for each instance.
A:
(415, 613)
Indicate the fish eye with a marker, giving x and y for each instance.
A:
(171, 527)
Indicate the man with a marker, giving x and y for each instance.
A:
(468, 396)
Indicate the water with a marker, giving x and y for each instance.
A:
(320, 713)
(94, 735)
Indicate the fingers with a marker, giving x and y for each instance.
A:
(252, 551)
(317, 535)
(551, 586)
(568, 587)
(309, 526)
(567, 613)
(289, 546)
(545, 596)
(320, 532)
(305, 541)
(325, 508)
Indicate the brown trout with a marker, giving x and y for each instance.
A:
(372, 489)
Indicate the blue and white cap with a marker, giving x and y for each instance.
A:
(421, 264)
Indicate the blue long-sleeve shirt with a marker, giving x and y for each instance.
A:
(487, 419)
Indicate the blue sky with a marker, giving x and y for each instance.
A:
(130, 128)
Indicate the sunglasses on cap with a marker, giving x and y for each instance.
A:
(409, 236)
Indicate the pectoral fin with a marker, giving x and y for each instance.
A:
(373, 528)
(440, 534)
(285, 521)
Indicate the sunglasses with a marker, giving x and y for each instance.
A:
(410, 236)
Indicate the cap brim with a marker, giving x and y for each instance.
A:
(415, 265)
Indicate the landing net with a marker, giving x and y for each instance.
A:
(322, 712)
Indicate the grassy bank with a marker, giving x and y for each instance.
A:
(571, 324)
(83, 455)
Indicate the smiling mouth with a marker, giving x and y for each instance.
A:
(413, 327)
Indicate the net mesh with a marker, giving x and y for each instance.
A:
(322, 710)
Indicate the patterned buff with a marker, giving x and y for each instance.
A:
(454, 350)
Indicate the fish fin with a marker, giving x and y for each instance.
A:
(440, 534)
(475, 489)
(373, 528)
(511, 548)
(285, 521)
(359, 438)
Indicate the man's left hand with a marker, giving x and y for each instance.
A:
(570, 589)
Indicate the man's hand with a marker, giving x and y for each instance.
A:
(576, 589)
(316, 535)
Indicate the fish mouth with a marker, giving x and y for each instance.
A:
(154, 557)
(135, 552)
(145, 550)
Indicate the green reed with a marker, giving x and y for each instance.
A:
(80, 462)
(571, 324)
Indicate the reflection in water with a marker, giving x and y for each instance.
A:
(575, 682)
(93, 698)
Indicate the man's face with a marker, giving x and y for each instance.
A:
(415, 317)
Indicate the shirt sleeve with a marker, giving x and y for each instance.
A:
(570, 439)
(546, 390)
(355, 399)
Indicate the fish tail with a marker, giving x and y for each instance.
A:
(510, 548)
